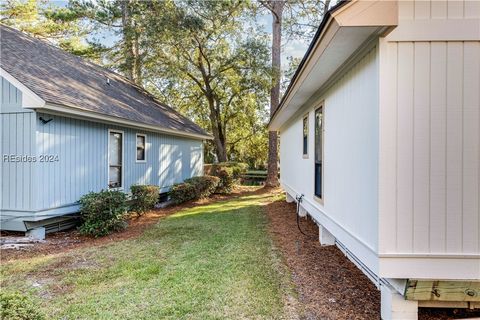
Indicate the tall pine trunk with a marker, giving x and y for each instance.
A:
(131, 43)
(276, 7)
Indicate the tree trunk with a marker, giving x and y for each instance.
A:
(276, 7)
(325, 7)
(220, 144)
(131, 43)
(219, 138)
(137, 62)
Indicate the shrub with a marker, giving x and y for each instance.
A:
(182, 192)
(204, 186)
(15, 306)
(194, 188)
(103, 212)
(229, 174)
(227, 180)
(144, 198)
(238, 168)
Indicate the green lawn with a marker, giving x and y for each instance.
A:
(209, 262)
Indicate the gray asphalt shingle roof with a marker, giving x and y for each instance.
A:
(61, 78)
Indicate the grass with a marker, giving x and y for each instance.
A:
(213, 261)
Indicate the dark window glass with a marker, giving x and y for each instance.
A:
(115, 159)
(140, 148)
(305, 135)
(318, 151)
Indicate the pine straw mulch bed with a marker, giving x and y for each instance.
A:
(328, 284)
(58, 242)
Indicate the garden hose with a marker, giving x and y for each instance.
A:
(299, 200)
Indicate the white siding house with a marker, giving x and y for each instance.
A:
(392, 170)
(84, 129)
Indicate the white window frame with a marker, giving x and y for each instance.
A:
(320, 198)
(307, 118)
(122, 184)
(145, 137)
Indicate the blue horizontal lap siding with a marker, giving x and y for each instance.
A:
(82, 149)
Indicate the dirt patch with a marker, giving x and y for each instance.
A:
(65, 241)
(328, 284)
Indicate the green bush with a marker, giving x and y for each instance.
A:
(144, 198)
(103, 212)
(15, 306)
(182, 192)
(194, 188)
(204, 186)
(238, 168)
(227, 180)
(229, 174)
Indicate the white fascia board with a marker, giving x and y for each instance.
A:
(30, 99)
(62, 110)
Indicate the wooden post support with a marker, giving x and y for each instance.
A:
(394, 305)
(302, 212)
(289, 198)
(325, 237)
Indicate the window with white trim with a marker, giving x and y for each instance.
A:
(305, 135)
(141, 147)
(115, 159)
(319, 135)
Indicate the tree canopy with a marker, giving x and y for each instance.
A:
(208, 59)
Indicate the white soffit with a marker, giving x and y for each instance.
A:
(345, 42)
(348, 28)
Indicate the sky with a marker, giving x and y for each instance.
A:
(294, 48)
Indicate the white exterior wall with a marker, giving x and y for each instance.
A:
(430, 142)
(349, 209)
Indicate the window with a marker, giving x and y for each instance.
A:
(141, 143)
(319, 132)
(305, 136)
(115, 159)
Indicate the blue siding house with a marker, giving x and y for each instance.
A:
(69, 127)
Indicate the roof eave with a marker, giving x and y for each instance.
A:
(77, 113)
(343, 30)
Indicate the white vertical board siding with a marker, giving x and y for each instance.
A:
(296, 171)
(82, 149)
(351, 150)
(438, 9)
(430, 137)
(350, 157)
